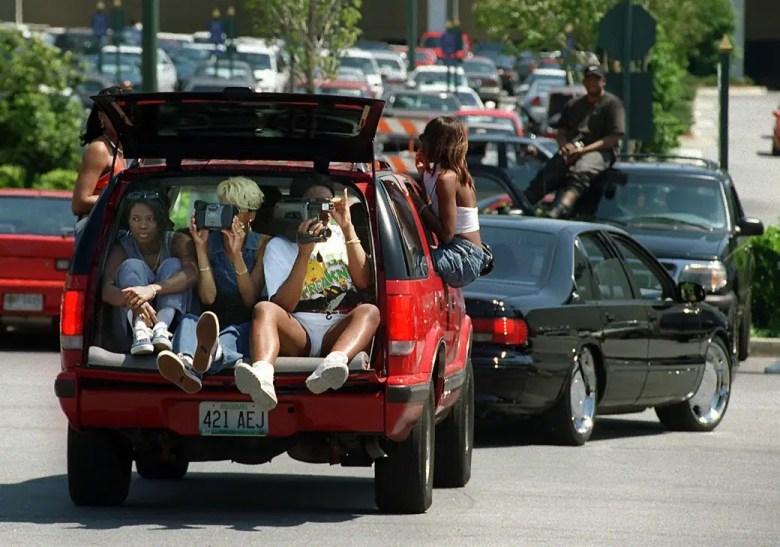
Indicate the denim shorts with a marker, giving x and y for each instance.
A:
(459, 262)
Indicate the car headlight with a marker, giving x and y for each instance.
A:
(710, 275)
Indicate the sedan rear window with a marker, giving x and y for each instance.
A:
(41, 216)
(521, 256)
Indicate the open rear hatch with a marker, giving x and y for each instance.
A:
(242, 125)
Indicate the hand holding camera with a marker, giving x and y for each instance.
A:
(570, 151)
(291, 215)
(214, 216)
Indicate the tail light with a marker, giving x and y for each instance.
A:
(400, 324)
(536, 101)
(72, 318)
(501, 330)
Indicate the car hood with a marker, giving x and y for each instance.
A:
(239, 124)
(682, 244)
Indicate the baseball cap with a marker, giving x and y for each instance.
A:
(593, 70)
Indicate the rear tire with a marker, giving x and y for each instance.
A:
(455, 439)
(99, 465)
(571, 420)
(403, 480)
(705, 410)
(153, 469)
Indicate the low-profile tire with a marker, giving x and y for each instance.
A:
(705, 410)
(743, 337)
(455, 439)
(403, 480)
(154, 469)
(99, 466)
(570, 422)
(775, 150)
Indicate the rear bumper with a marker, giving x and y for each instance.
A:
(50, 290)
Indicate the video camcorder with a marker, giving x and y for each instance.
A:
(290, 212)
(214, 216)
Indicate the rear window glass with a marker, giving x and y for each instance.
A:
(43, 216)
(521, 256)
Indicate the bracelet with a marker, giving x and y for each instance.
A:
(206, 269)
(353, 241)
(246, 271)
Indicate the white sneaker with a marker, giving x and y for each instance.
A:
(161, 337)
(257, 381)
(178, 369)
(208, 350)
(330, 374)
(142, 341)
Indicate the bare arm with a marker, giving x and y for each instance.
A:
(93, 165)
(183, 249)
(444, 224)
(249, 283)
(357, 263)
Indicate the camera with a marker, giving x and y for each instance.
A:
(214, 216)
(567, 157)
(290, 212)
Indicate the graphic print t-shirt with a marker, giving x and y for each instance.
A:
(327, 283)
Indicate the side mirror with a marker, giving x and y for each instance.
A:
(688, 291)
(749, 226)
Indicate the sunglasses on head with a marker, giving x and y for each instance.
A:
(143, 195)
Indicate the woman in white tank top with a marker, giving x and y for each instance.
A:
(450, 210)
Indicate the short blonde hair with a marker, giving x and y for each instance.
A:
(241, 192)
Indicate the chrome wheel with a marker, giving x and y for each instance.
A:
(582, 393)
(710, 400)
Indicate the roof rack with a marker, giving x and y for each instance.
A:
(658, 158)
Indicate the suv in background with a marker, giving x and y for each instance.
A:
(407, 406)
(686, 211)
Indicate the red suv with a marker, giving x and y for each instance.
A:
(407, 407)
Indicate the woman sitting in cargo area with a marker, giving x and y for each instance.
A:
(314, 306)
(230, 279)
(450, 208)
(149, 272)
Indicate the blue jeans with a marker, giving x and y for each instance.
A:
(459, 262)
(134, 272)
(234, 340)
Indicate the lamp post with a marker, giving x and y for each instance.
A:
(231, 32)
(99, 30)
(117, 27)
(723, 87)
(216, 35)
(151, 24)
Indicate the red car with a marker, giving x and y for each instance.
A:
(432, 39)
(36, 245)
(345, 88)
(492, 116)
(776, 134)
(407, 405)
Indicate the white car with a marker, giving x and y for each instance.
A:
(468, 98)
(434, 78)
(356, 58)
(392, 66)
(166, 70)
(263, 60)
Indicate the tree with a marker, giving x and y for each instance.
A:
(310, 30)
(40, 115)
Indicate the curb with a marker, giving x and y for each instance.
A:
(734, 91)
(765, 347)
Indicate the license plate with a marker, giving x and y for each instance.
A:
(232, 419)
(23, 302)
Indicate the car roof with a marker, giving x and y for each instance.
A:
(549, 72)
(545, 225)
(671, 164)
(492, 112)
(35, 192)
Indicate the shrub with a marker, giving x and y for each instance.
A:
(57, 179)
(12, 176)
(766, 282)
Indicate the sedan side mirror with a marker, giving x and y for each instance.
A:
(751, 227)
(688, 291)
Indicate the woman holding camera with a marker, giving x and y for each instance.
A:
(230, 278)
(149, 272)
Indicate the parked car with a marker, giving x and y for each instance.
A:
(36, 245)
(392, 66)
(166, 70)
(776, 133)
(578, 320)
(516, 159)
(406, 103)
(688, 213)
(363, 60)
(483, 77)
(415, 378)
(435, 78)
(263, 61)
(507, 118)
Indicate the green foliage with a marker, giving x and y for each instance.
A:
(12, 176)
(766, 282)
(40, 116)
(57, 179)
(310, 29)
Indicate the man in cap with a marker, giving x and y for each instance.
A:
(589, 133)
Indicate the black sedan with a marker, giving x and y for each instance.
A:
(578, 319)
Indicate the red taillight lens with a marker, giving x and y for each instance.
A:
(536, 101)
(400, 317)
(72, 313)
(501, 330)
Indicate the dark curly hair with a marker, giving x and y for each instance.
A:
(159, 210)
(93, 130)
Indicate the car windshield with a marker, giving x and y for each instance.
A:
(481, 120)
(362, 63)
(521, 256)
(439, 78)
(655, 201)
(440, 102)
(479, 66)
(391, 64)
(258, 61)
(42, 216)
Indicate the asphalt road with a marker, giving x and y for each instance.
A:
(632, 484)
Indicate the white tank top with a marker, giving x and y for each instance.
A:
(468, 217)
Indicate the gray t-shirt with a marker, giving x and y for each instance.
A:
(589, 122)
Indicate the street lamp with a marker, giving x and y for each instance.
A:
(117, 26)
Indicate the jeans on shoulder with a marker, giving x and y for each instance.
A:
(459, 262)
